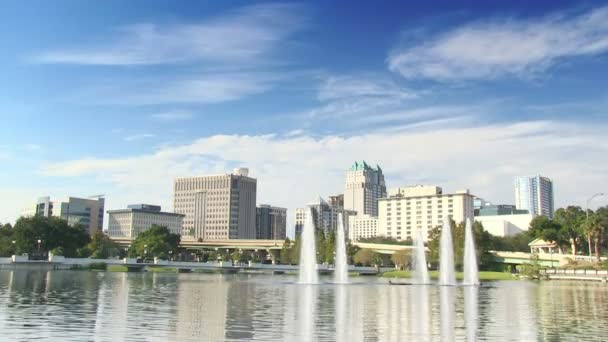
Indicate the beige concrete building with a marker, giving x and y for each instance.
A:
(217, 207)
(505, 225)
(363, 187)
(362, 227)
(413, 208)
(88, 212)
(128, 223)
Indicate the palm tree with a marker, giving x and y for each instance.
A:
(595, 229)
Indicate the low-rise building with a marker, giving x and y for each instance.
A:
(137, 218)
(362, 227)
(505, 225)
(271, 223)
(325, 216)
(413, 208)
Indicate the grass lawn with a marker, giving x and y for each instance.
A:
(117, 268)
(483, 275)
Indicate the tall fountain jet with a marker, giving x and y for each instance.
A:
(341, 271)
(446, 257)
(308, 252)
(421, 272)
(471, 272)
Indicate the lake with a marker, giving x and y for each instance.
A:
(100, 306)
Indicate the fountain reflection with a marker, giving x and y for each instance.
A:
(447, 296)
(471, 313)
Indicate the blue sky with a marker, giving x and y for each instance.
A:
(121, 97)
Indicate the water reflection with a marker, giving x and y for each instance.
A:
(77, 306)
(306, 316)
(470, 312)
(448, 312)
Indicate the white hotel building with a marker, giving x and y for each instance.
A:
(128, 223)
(413, 208)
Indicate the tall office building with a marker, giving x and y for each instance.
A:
(325, 215)
(535, 194)
(364, 186)
(87, 212)
(137, 218)
(217, 207)
(414, 208)
(271, 223)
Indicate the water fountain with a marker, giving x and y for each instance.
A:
(471, 272)
(446, 250)
(308, 252)
(421, 272)
(341, 271)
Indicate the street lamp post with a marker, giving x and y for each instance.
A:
(145, 252)
(171, 255)
(39, 255)
(587, 219)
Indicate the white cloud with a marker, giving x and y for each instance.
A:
(498, 48)
(243, 36)
(292, 170)
(172, 116)
(137, 137)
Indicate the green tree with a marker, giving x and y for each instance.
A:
(329, 247)
(483, 244)
(52, 232)
(515, 243)
(7, 247)
(401, 258)
(102, 247)
(285, 254)
(366, 257)
(571, 220)
(547, 229)
(596, 227)
(155, 242)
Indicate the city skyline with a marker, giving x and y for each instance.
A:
(124, 105)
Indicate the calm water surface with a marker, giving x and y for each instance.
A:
(88, 306)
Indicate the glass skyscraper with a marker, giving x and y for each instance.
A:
(535, 194)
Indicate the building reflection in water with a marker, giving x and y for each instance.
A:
(202, 308)
(90, 306)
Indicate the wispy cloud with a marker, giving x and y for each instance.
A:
(498, 48)
(352, 96)
(241, 36)
(170, 116)
(137, 137)
(340, 87)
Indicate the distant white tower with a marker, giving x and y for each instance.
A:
(535, 194)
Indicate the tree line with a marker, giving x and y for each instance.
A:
(38, 236)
